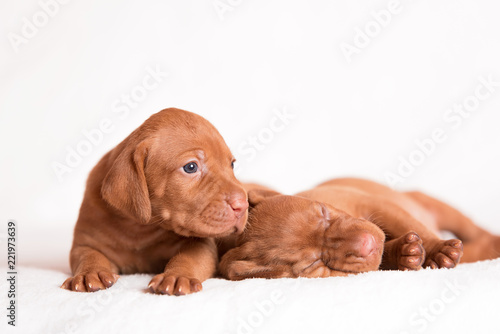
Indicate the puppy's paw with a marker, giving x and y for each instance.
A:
(90, 282)
(403, 253)
(410, 252)
(167, 284)
(445, 254)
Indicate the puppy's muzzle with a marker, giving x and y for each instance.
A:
(239, 205)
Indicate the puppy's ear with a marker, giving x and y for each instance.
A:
(236, 266)
(255, 196)
(125, 187)
(239, 270)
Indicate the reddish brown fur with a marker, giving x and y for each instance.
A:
(142, 212)
(317, 233)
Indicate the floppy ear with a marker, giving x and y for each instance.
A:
(255, 196)
(125, 187)
(235, 266)
(239, 270)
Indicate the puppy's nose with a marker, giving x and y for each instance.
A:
(239, 204)
(365, 245)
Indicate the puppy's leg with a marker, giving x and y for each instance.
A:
(92, 271)
(195, 262)
(396, 222)
(403, 253)
(479, 244)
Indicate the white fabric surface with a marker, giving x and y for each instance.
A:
(461, 300)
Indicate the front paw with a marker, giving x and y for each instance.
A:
(90, 282)
(411, 253)
(167, 284)
(446, 254)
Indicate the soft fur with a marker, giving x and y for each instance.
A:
(348, 226)
(143, 213)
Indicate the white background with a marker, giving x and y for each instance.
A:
(236, 68)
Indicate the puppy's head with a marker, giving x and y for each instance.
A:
(291, 236)
(176, 170)
(350, 244)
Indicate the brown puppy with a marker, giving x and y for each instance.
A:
(338, 228)
(153, 205)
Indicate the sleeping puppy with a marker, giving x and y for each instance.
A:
(349, 226)
(154, 203)
(293, 236)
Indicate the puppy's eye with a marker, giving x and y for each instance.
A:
(232, 164)
(191, 167)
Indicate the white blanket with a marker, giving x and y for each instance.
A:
(461, 300)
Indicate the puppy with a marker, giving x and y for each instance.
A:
(154, 203)
(349, 226)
